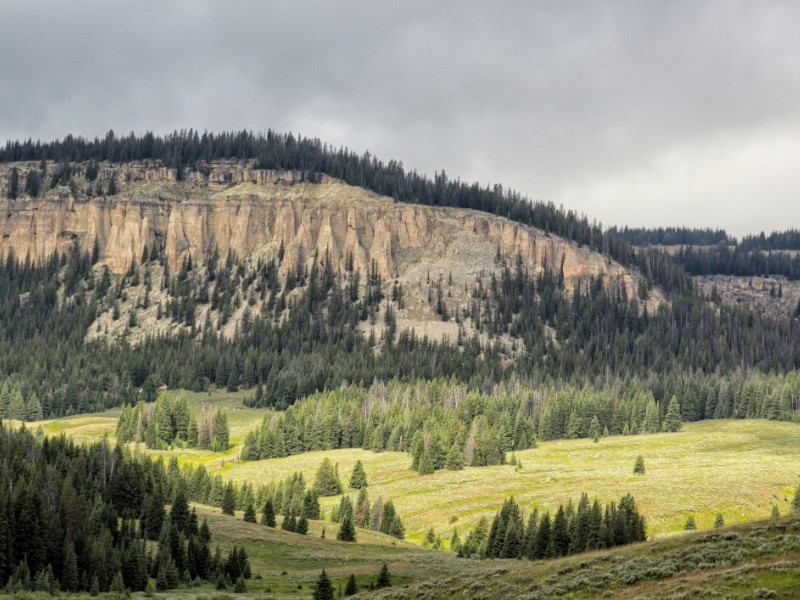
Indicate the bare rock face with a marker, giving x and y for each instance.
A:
(252, 213)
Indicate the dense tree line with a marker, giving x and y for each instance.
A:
(168, 421)
(777, 240)
(673, 236)
(78, 518)
(713, 252)
(726, 260)
(572, 530)
(447, 425)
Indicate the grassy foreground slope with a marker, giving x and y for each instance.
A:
(757, 560)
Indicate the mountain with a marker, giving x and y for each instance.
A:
(237, 259)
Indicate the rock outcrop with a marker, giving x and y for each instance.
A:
(252, 213)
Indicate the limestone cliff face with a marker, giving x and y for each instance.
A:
(261, 213)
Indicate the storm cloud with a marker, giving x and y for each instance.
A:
(635, 113)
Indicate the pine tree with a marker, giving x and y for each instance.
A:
(249, 513)
(240, 587)
(358, 479)
(229, 500)
(719, 521)
(638, 466)
(690, 524)
(776, 513)
(384, 579)
(268, 516)
(455, 458)
(326, 481)
(302, 524)
(347, 532)
(352, 587)
(673, 420)
(323, 590)
(69, 576)
(117, 585)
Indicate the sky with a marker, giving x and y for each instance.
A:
(632, 112)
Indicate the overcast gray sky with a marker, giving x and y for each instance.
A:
(633, 112)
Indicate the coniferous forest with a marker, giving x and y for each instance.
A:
(79, 518)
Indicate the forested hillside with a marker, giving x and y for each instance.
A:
(288, 330)
(77, 518)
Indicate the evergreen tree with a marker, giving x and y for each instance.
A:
(268, 516)
(384, 579)
(455, 458)
(690, 524)
(358, 479)
(240, 587)
(302, 524)
(719, 521)
(249, 513)
(347, 532)
(327, 481)
(229, 500)
(638, 466)
(352, 587)
(323, 590)
(673, 420)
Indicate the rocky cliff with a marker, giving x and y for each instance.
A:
(245, 211)
(260, 214)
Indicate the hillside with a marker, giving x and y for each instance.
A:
(747, 466)
(256, 216)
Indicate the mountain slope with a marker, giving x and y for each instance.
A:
(256, 215)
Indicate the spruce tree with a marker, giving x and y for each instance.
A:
(673, 420)
(249, 513)
(384, 579)
(358, 479)
(455, 458)
(323, 590)
(638, 466)
(326, 481)
(268, 516)
(302, 524)
(229, 500)
(347, 532)
(719, 521)
(13, 184)
(351, 587)
(690, 524)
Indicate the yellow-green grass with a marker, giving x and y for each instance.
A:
(738, 468)
(95, 426)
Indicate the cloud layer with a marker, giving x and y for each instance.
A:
(635, 113)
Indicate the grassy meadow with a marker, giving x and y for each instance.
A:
(738, 467)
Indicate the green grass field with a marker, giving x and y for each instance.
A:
(739, 468)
